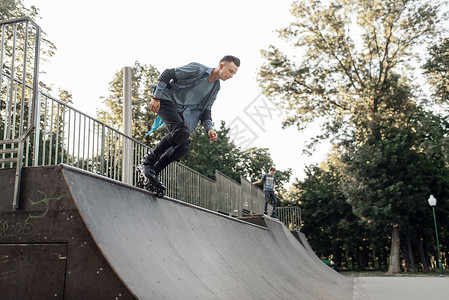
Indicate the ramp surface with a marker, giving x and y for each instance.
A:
(165, 249)
(109, 240)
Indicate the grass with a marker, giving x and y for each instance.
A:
(384, 274)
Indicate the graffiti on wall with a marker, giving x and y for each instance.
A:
(12, 228)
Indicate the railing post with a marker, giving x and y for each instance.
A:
(37, 132)
(103, 137)
(127, 167)
(18, 142)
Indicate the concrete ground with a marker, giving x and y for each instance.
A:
(395, 288)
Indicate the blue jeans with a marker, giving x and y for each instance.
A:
(267, 198)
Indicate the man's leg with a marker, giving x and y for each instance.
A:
(274, 204)
(178, 134)
(171, 155)
(267, 198)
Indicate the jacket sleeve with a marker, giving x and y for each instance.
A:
(164, 82)
(206, 116)
(183, 75)
(207, 120)
(189, 72)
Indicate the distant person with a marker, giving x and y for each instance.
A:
(182, 98)
(332, 264)
(269, 187)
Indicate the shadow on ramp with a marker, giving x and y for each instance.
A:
(121, 242)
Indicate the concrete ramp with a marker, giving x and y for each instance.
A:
(163, 248)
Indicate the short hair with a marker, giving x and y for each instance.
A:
(272, 169)
(230, 58)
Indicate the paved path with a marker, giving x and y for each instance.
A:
(396, 288)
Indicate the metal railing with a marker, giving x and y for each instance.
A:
(19, 69)
(69, 136)
(290, 216)
(37, 129)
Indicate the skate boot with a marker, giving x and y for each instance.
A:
(147, 168)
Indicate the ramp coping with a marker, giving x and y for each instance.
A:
(114, 181)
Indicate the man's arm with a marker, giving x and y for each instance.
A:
(258, 181)
(164, 82)
(181, 74)
(206, 120)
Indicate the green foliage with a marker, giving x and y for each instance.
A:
(352, 66)
(143, 77)
(329, 224)
(12, 9)
(256, 162)
(223, 155)
(390, 179)
(437, 70)
(205, 156)
(350, 50)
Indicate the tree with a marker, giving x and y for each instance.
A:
(205, 156)
(16, 53)
(357, 57)
(12, 9)
(388, 181)
(437, 70)
(338, 77)
(225, 156)
(143, 78)
(331, 227)
(256, 162)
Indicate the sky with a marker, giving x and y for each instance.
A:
(97, 38)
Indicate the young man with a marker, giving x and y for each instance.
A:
(184, 96)
(269, 187)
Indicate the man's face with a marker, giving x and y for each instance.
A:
(227, 70)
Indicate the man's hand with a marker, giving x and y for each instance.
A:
(212, 135)
(154, 105)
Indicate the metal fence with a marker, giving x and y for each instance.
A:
(37, 129)
(67, 135)
(19, 69)
(290, 216)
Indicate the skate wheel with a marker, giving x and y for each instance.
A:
(160, 194)
(140, 184)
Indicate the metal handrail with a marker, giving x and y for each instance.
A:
(18, 20)
(11, 95)
(68, 135)
(53, 132)
(290, 216)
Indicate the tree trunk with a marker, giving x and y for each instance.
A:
(360, 259)
(406, 255)
(410, 249)
(424, 259)
(395, 261)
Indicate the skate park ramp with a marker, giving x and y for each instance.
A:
(121, 242)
